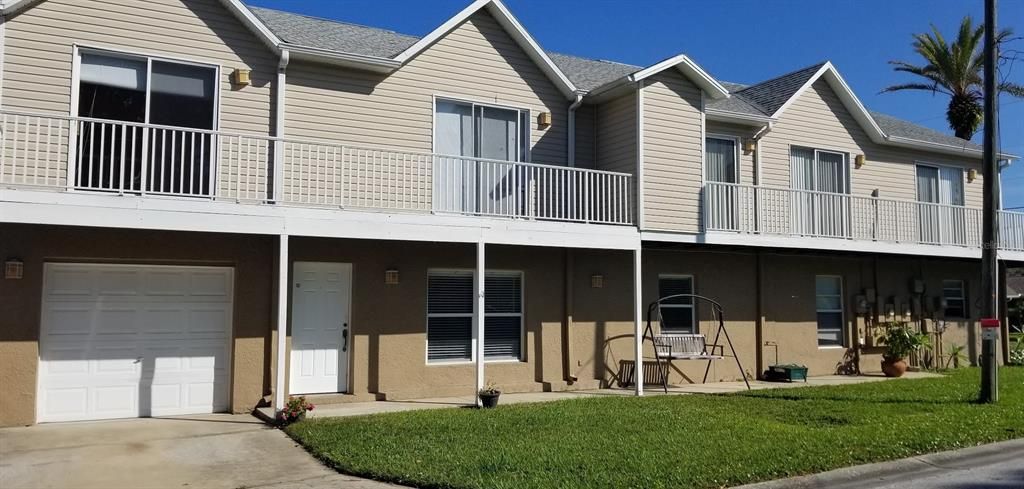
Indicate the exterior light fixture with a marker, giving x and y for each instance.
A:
(858, 161)
(14, 269)
(391, 276)
(544, 119)
(972, 175)
(241, 77)
(749, 145)
(597, 281)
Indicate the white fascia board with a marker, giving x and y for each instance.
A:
(511, 26)
(949, 149)
(845, 94)
(349, 60)
(689, 69)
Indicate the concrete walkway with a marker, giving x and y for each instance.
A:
(216, 451)
(376, 407)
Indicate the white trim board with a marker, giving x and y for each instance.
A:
(691, 70)
(133, 212)
(827, 244)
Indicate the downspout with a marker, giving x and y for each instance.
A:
(572, 129)
(757, 150)
(279, 113)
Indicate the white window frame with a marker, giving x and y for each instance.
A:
(149, 58)
(736, 140)
(841, 311)
(962, 298)
(473, 341)
(692, 306)
(846, 179)
(524, 120)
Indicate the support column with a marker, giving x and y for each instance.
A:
(478, 319)
(282, 321)
(638, 331)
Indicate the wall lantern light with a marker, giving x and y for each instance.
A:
(544, 119)
(597, 281)
(749, 145)
(241, 77)
(14, 269)
(972, 175)
(858, 161)
(391, 276)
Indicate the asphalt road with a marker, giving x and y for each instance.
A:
(1005, 474)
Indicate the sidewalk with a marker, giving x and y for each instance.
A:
(377, 407)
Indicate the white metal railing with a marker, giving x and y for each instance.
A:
(77, 153)
(780, 211)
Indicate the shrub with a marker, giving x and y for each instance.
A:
(294, 410)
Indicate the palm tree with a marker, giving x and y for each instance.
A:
(955, 70)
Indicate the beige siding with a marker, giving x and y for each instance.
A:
(616, 134)
(672, 153)
(818, 119)
(477, 61)
(747, 163)
(38, 57)
(586, 136)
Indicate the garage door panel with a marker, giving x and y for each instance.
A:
(161, 349)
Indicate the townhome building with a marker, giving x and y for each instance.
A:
(207, 206)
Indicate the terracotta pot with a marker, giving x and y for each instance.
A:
(894, 368)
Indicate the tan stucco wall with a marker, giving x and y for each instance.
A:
(21, 304)
(388, 358)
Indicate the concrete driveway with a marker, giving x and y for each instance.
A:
(215, 451)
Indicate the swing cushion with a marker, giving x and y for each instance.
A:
(683, 347)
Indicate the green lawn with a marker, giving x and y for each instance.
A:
(669, 441)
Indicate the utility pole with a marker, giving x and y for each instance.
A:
(990, 226)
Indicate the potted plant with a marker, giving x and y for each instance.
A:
(900, 341)
(294, 410)
(489, 395)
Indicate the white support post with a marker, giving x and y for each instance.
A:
(638, 332)
(282, 321)
(279, 129)
(478, 319)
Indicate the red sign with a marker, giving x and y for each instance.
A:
(990, 323)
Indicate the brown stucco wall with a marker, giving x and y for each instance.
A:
(21, 299)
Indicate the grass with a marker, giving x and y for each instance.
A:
(670, 441)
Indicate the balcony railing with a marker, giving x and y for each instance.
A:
(751, 209)
(76, 153)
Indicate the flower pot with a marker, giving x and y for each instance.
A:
(489, 400)
(894, 368)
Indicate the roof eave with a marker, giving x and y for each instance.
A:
(737, 117)
(350, 60)
(846, 96)
(942, 147)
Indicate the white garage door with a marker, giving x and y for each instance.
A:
(121, 341)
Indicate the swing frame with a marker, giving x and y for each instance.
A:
(660, 344)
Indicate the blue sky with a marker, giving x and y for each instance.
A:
(752, 40)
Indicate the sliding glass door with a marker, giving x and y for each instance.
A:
(115, 88)
(820, 201)
(721, 166)
(476, 148)
(941, 216)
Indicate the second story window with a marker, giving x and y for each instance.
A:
(942, 218)
(136, 89)
(720, 161)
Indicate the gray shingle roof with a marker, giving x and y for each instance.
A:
(588, 74)
(332, 35)
(893, 126)
(772, 94)
(759, 99)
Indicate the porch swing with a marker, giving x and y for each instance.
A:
(686, 346)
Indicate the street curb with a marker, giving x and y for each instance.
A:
(901, 470)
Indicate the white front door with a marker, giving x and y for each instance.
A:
(321, 336)
(120, 341)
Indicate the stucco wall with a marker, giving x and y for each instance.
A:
(21, 305)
